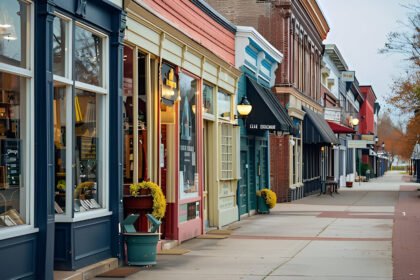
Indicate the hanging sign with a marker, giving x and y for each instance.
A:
(348, 76)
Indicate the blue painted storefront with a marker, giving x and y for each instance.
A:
(257, 60)
(68, 245)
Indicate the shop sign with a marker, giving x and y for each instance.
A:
(368, 137)
(348, 76)
(262, 126)
(359, 144)
(332, 115)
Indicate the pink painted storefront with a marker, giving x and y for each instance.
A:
(179, 56)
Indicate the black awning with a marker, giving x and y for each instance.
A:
(267, 112)
(316, 129)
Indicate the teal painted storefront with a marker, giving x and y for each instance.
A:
(255, 164)
(258, 61)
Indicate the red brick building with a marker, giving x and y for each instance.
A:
(367, 111)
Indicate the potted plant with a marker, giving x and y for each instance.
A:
(266, 199)
(155, 191)
(141, 246)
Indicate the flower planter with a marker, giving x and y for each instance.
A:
(349, 184)
(262, 206)
(141, 205)
(141, 248)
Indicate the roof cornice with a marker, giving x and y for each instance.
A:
(250, 32)
(216, 16)
(337, 58)
(317, 17)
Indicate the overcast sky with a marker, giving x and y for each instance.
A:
(359, 29)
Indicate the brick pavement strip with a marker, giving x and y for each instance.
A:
(406, 236)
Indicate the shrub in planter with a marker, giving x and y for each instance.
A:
(267, 199)
(159, 201)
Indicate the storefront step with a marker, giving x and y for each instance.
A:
(167, 244)
(88, 272)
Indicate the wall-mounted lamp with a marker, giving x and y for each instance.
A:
(354, 121)
(244, 108)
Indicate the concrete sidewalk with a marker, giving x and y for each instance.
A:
(348, 236)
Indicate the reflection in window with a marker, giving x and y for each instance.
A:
(12, 188)
(188, 139)
(223, 105)
(13, 30)
(59, 111)
(128, 115)
(88, 57)
(88, 160)
(59, 46)
(207, 99)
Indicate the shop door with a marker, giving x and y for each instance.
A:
(263, 168)
(206, 166)
(252, 183)
(243, 184)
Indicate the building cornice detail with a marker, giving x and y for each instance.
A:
(317, 17)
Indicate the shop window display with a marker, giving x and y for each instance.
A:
(59, 108)
(188, 177)
(135, 119)
(12, 188)
(224, 102)
(15, 178)
(88, 161)
(79, 114)
(208, 99)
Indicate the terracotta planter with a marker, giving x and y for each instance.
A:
(141, 205)
(349, 184)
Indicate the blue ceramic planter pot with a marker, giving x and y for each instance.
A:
(141, 248)
(262, 206)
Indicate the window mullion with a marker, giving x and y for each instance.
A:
(135, 117)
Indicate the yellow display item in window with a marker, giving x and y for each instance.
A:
(78, 111)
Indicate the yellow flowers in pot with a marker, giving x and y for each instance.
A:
(269, 196)
(159, 201)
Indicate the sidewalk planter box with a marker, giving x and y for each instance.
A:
(262, 206)
(141, 248)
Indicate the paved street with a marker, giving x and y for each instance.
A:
(348, 236)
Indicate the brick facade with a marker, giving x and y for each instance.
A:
(279, 162)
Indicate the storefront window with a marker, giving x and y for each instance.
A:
(208, 99)
(79, 120)
(12, 125)
(88, 159)
(14, 18)
(59, 46)
(128, 115)
(135, 118)
(188, 177)
(59, 111)
(226, 151)
(88, 57)
(224, 102)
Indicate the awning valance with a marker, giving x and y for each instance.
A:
(267, 112)
(339, 128)
(316, 130)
